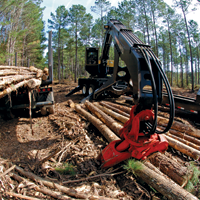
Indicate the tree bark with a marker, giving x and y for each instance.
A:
(110, 122)
(105, 131)
(184, 141)
(185, 149)
(56, 195)
(11, 79)
(33, 83)
(186, 137)
(161, 183)
(68, 191)
(117, 116)
(120, 107)
(188, 129)
(12, 88)
(114, 109)
(172, 169)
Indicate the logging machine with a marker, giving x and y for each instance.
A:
(143, 69)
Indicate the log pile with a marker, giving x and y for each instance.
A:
(159, 171)
(12, 78)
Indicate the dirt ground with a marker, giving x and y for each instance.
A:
(77, 143)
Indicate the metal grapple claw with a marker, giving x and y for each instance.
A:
(110, 156)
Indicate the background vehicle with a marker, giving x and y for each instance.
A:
(41, 99)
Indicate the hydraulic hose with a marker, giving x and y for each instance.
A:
(153, 126)
(169, 92)
(155, 100)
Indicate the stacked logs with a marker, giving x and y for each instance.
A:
(162, 173)
(13, 78)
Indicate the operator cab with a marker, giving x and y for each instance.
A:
(91, 60)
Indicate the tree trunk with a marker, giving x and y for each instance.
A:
(59, 54)
(170, 44)
(117, 116)
(110, 122)
(171, 168)
(159, 182)
(163, 185)
(68, 191)
(106, 132)
(76, 56)
(120, 107)
(188, 129)
(185, 149)
(190, 46)
(191, 144)
(114, 109)
(56, 195)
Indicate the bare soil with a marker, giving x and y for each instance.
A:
(78, 142)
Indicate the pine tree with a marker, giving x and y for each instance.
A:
(59, 21)
(77, 17)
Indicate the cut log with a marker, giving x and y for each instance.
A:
(174, 170)
(44, 77)
(109, 121)
(103, 103)
(68, 191)
(123, 108)
(12, 88)
(105, 131)
(12, 194)
(56, 195)
(70, 103)
(188, 129)
(165, 186)
(13, 67)
(33, 83)
(184, 141)
(185, 149)
(7, 72)
(185, 136)
(46, 71)
(12, 79)
(168, 167)
(162, 184)
(38, 71)
(117, 116)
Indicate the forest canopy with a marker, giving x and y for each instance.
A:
(173, 37)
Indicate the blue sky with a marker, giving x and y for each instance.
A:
(51, 6)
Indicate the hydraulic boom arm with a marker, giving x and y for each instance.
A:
(142, 69)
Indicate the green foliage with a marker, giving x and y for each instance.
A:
(194, 181)
(22, 32)
(66, 169)
(132, 166)
(153, 21)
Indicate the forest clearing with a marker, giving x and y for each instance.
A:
(112, 111)
(62, 149)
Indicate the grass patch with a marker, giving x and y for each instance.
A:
(67, 168)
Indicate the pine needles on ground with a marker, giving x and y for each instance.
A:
(132, 166)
